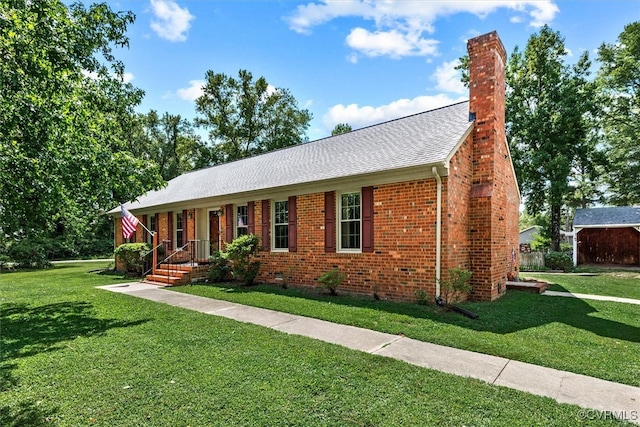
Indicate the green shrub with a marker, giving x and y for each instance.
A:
(422, 298)
(456, 285)
(219, 269)
(132, 256)
(331, 279)
(558, 261)
(241, 253)
(32, 252)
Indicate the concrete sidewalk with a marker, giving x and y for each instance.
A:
(592, 297)
(613, 399)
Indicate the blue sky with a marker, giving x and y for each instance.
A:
(354, 61)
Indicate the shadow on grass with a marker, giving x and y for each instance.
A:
(515, 311)
(27, 414)
(29, 330)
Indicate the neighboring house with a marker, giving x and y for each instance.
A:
(394, 206)
(528, 234)
(607, 236)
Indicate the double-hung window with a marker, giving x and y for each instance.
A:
(281, 225)
(179, 230)
(242, 219)
(350, 226)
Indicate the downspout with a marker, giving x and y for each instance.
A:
(438, 227)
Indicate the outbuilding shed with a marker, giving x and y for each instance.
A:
(607, 236)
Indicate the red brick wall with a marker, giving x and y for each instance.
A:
(456, 210)
(404, 234)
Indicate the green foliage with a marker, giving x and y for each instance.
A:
(219, 270)
(132, 256)
(341, 128)
(456, 285)
(245, 117)
(558, 261)
(540, 242)
(548, 106)
(66, 117)
(620, 97)
(170, 142)
(33, 252)
(331, 279)
(241, 252)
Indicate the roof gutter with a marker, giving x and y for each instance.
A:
(438, 227)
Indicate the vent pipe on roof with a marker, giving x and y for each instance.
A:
(438, 227)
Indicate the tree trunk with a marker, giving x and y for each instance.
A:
(555, 228)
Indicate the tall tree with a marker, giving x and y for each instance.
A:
(548, 108)
(619, 81)
(169, 141)
(247, 117)
(65, 116)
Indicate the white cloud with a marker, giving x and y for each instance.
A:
(359, 117)
(543, 14)
(392, 43)
(127, 77)
(448, 78)
(399, 26)
(193, 92)
(172, 22)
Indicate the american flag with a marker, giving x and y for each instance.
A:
(129, 223)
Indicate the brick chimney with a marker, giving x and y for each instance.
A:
(492, 201)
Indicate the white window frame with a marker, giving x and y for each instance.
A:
(340, 221)
(236, 218)
(181, 243)
(274, 224)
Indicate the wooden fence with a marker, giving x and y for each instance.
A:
(531, 261)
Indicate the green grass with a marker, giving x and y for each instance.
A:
(625, 284)
(75, 355)
(599, 339)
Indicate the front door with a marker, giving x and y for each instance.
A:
(214, 232)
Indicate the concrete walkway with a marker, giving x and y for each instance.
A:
(612, 399)
(593, 297)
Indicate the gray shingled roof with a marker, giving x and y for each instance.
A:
(623, 215)
(421, 139)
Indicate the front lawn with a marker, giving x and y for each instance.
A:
(595, 338)
(625, 284)
(75, 355)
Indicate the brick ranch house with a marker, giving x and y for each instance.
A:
(394, 205)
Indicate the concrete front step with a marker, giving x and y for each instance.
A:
(535, 287)
(177, 274)
(168, 280)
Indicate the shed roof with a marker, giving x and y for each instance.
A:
(621, 215)
(420, 139)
